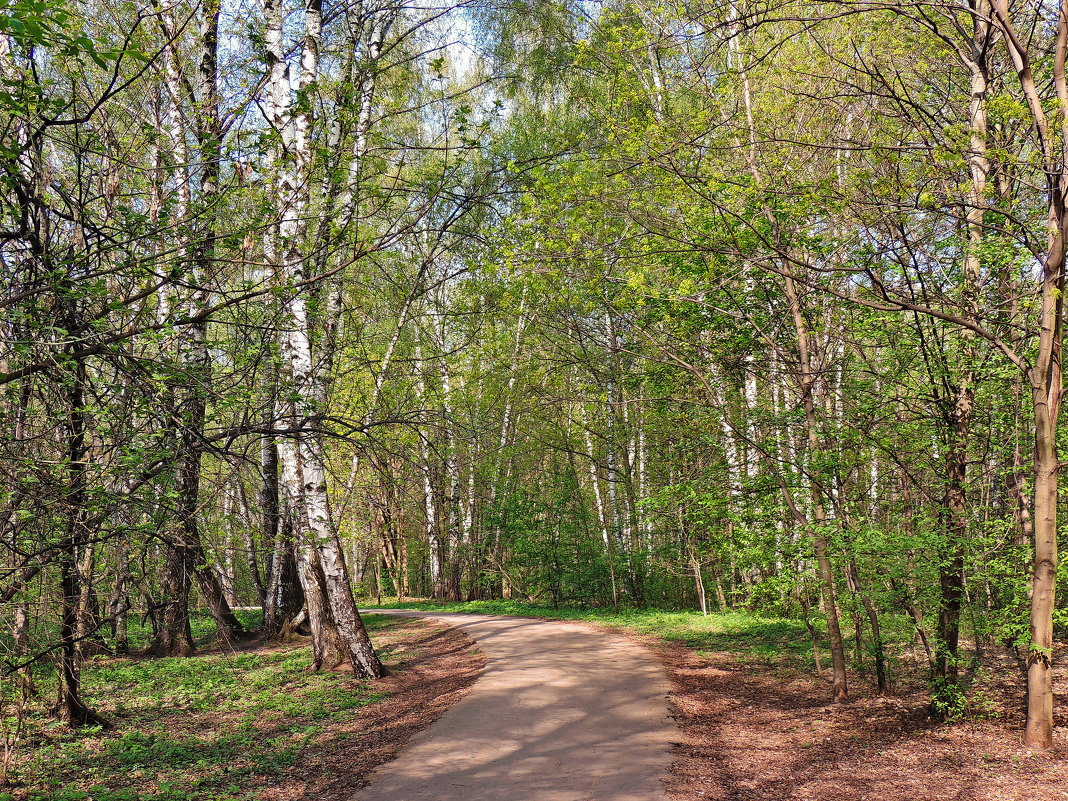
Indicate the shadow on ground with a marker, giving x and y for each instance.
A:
(759, 733)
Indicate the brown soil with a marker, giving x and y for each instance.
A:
(442, 665)
(765, 733)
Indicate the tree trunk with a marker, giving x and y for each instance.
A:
(806, 611)
(328, 650)
(274, 544)
(431, 521)
(189, 556)
(87, 606)
(452, 521)
(1045, 375)
(1039, 728)
(20, 632)
(959, 416)
(602, 514)
(120, 596)
(174, 635)
(304, 463)
(699, 582)
(248, 544)
(818, 532)
(872, 613)
(70, 706)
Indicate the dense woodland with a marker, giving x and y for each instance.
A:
(710, 305)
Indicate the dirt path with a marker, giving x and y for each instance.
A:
(563, 712)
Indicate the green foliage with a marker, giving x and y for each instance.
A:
(956, 702)
(949, 701)
(201, 728)
(565, 314)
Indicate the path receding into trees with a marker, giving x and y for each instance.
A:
(563, 712)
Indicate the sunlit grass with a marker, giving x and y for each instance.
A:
(205, 728)
(747, 635)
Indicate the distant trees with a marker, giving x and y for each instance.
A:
(708, 173)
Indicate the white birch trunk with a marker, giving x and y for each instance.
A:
(431, 525)
(304, 463)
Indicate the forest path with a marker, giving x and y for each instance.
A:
(563, 712)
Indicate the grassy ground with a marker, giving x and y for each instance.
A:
(206, 728)
(745, 638)
(750, 637)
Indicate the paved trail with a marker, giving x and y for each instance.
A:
(563, 713)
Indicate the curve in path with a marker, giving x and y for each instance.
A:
(563, 712)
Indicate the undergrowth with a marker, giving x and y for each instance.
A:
(212, 727)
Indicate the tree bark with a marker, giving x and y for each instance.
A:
(1045, 375)
(818, 531)
(189, 558)
(304, 465)
(961, 405)
(120, 595)
(72, 709)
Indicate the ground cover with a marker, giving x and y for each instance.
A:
(241, 724)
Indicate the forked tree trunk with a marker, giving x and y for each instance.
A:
(328, 650)
(322, 565)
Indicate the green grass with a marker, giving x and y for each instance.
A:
(203, 728)
(200, 621)
(743, 638)
(139, 636)
(746, 636)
